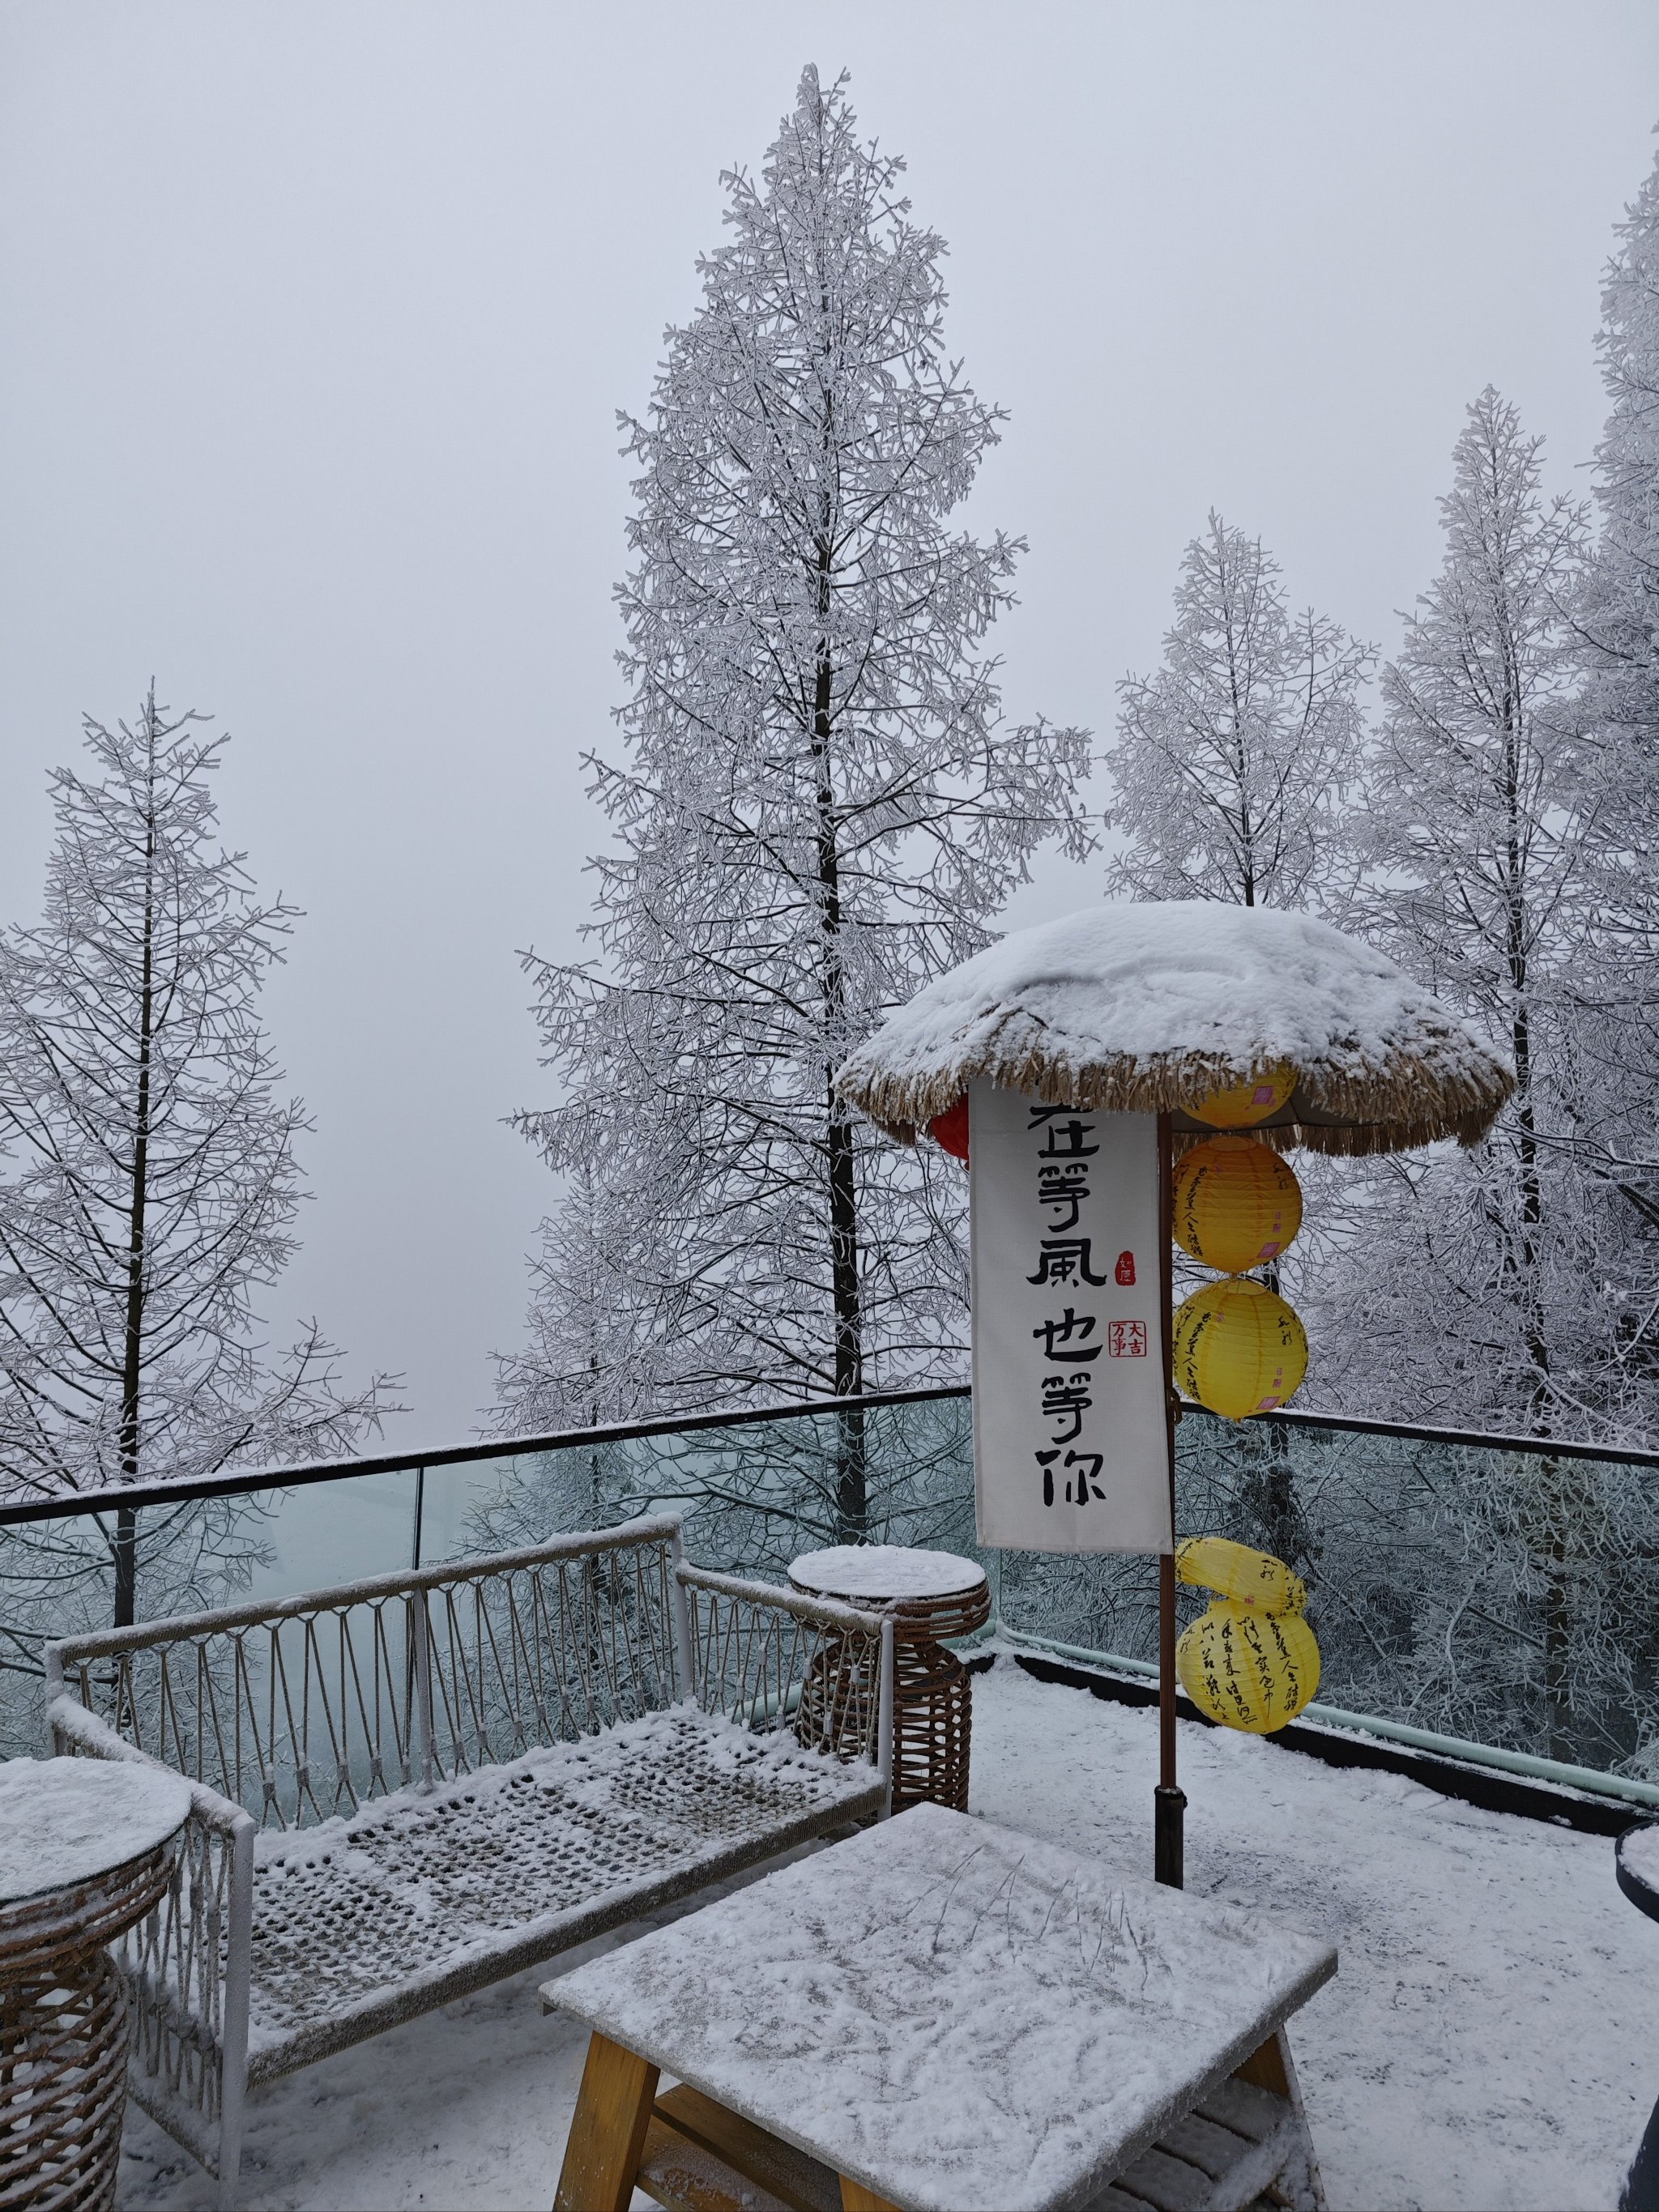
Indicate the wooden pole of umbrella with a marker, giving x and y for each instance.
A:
(1168, 1801)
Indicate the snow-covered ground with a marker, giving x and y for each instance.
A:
(1492, 2038)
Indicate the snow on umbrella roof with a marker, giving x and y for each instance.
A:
(1147, 1007)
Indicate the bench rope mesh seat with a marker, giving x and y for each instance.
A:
(408, 1788)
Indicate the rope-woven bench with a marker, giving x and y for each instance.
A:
(407, 1788)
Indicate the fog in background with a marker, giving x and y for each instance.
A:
(313, 320)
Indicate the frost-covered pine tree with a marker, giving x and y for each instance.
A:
(581, 1367)
(1486, 1290)
(1232, 761)
(1230, 770)
(1618, 611)
(148, 1183)
(1472, 1287)
(820, 805)
(1616, 619)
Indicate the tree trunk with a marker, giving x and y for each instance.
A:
(852, 1496)
(125, 1552)
(126, 1519)
(1550, 1542)
(1532, 1192)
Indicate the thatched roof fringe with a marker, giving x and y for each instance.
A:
(1405, 1101)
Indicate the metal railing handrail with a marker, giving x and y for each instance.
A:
(1475, 1440)
(296, 1475)
(342, 1597)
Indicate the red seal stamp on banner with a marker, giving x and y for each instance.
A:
(1126, 1340)
(1125, 1269)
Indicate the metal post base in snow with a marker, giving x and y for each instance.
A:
(1169, 1809)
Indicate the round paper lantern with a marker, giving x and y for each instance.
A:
(1238, 1204)
(1241, 1105)
(1248, 1668)
(1240, 1574)
(1238, 1349)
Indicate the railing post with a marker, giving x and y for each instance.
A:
(885, 1715)
(679, 1606)
(234, 2017)
(422, 1644)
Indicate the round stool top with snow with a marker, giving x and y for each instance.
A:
(66, 1822)
(884, 1574)
(86, 1848)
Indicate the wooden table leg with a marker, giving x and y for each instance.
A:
(1266, 2068)
(1272, 2067)
(855, 2198)
(607, 2135)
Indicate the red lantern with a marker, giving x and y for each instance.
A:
(949, 1130)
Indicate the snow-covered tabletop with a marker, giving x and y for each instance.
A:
(1639, 1867)
(962, 2017)
(883, 1570)
(64, 1821)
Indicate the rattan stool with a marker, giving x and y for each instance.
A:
(931, 1595)
(87, 1848)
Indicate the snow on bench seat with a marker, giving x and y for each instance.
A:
(360, 1916)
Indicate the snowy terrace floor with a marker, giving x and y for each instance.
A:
(1492, 2038)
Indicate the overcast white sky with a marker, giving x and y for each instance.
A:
(314, 318)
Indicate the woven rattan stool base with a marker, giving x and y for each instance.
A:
(102, 1844)
(933, 1699)
(932, 1725)
(63, 2088)
(933, 1691)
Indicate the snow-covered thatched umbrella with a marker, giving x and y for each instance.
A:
(1133, 1016)
(1145, 1008)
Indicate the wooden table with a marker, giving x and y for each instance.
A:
(87, 1848)
(931, 1595)
(945, 2016)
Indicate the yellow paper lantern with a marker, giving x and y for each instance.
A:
(1241, 1105)
(1240, 1574)
(1238, 1349)
(1249, 1669)
(1238, 1204)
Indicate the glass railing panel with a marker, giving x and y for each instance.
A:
(754, 1494)
(1505, 1596)
(57, 1578)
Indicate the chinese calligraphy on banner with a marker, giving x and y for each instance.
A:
(1071, 1449)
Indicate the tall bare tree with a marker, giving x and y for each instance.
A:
(1232, 760)
(1616, 621)
(1481, 824)
(1230, 767)
(148, 1184)
(821, 806)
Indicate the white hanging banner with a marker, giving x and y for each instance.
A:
(1071, 1447)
